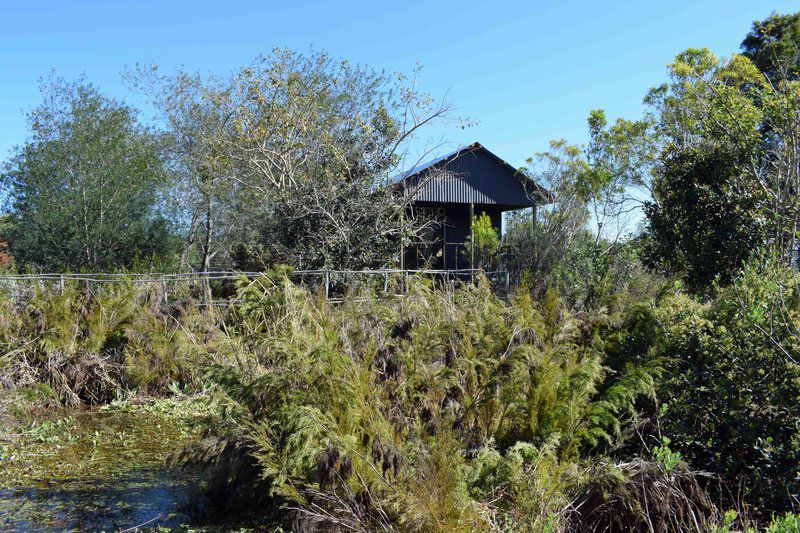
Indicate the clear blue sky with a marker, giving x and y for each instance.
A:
(528, 72)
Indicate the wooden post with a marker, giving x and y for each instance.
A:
(385, 282)
(444, 243)
(405, 281)
(471, 243)
(533, 232)
(508, 283)
(164, 289)
(327, 276)
(402, 238)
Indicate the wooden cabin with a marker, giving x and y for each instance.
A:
(447, 191)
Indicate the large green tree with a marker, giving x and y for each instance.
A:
(701, 223)
(84, 189)
(724, 179)
(715, 157)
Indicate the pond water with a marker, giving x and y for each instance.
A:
(97, 470)
(147, 498)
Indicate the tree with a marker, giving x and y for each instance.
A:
(291, 159)
(320, 141)
(726, 178)
(773, 45)
(536, 245)
(701, 223)
(206, 194)
(730, 393)
(84, 189)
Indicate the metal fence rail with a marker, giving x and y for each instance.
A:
(334, 283)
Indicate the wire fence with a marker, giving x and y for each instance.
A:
(219, 288)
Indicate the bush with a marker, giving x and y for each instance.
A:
(732, 388)
(91, 346)
(440, 409)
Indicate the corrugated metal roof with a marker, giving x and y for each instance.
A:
(472, 174)
(422, 166)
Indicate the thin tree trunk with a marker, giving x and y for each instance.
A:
(207, 240)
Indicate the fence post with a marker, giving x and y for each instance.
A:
(385, 282)
(61, 282)
(164, 289)
(508, 284)
(327, 277)
(405, 281)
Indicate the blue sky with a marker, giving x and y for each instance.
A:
(528, 72)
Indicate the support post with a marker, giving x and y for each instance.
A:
(471, 242)
(402, 238)
(327, 276)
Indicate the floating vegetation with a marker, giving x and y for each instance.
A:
(98, 469)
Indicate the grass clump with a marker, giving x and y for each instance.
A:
(67, 346)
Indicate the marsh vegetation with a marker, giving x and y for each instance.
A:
(443, 408)
(635, 377)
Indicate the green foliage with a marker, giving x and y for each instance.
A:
(534, 245)
(732, 386)
(667, 458)
(290, 160)
(786, 523)
(704, 221)
(726, 178)
(425, 406)
(595, 273)
(773, 43)
(484, 242)
(73, 345)
(85, 187)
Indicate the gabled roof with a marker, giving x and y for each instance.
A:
(472, 174)
(428, 164)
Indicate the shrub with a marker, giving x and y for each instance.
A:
(732, 387)
(90, 346)
(441, 409)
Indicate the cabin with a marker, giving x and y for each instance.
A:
(446, 192)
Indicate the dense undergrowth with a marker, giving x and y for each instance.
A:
(445, 408)
(72, 345)
(437, 410)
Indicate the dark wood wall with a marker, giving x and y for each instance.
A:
(444, 243)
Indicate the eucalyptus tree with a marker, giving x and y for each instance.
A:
(715, 157)
(196, 116)
(290, 159)
(730, 112)
(85, 189)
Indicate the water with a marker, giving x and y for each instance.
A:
(98, 470)
(146, 498)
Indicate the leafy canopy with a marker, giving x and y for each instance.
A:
(85, 188)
